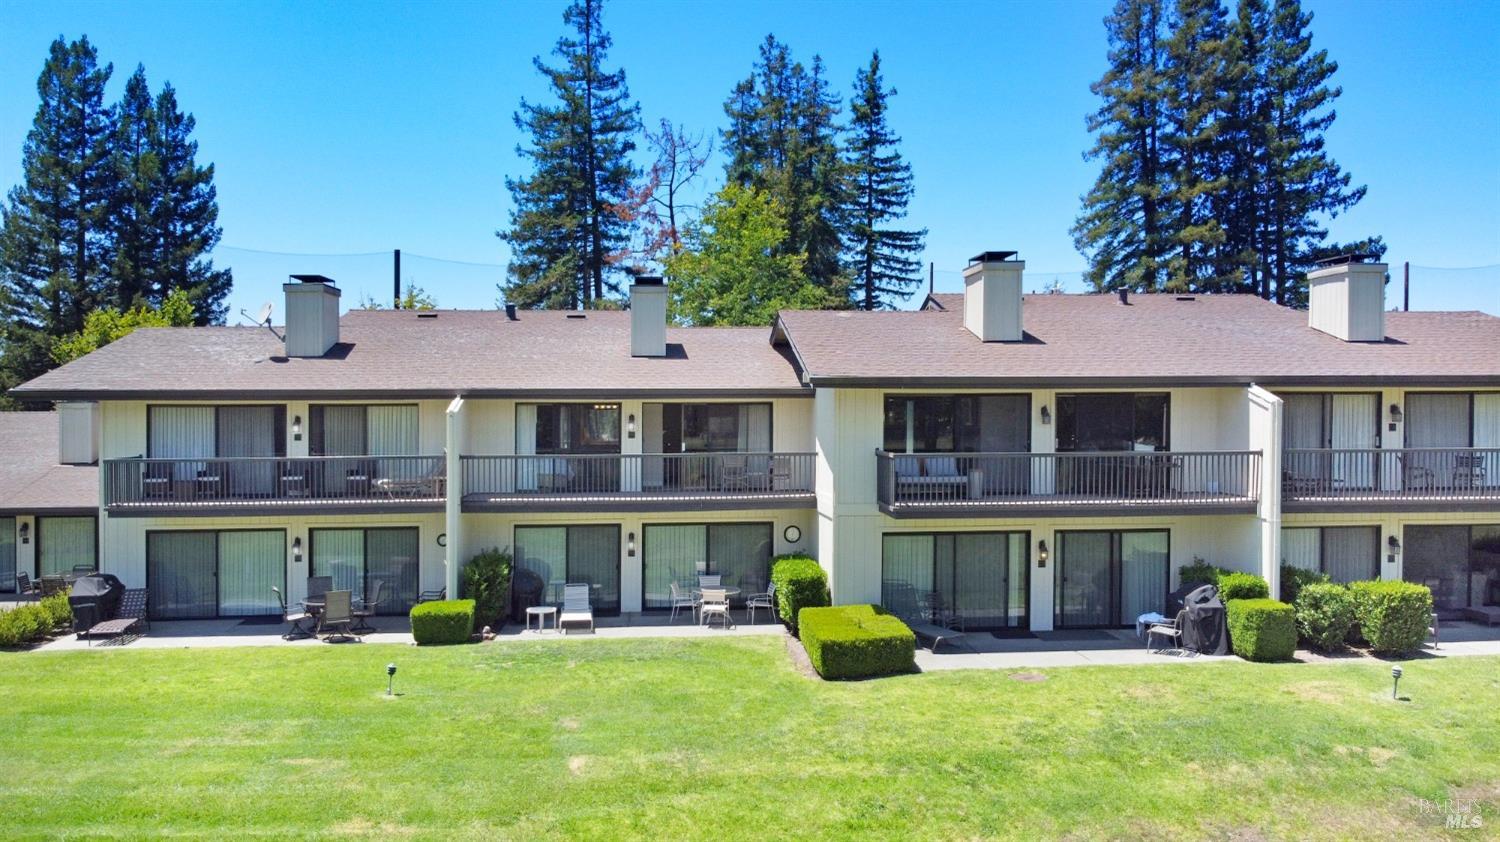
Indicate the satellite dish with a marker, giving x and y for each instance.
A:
(264, 316)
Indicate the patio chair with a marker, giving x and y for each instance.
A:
(683, 599)
(367, 608)
(338, 613)
(434, 595)
(25, 586)
(318, 585)
(131, 613)
(714, 603)
(50, 585)
(294, 616)
(82, 570)
(1171, 630)
(710, 580)
(576, 608)
(766, 601)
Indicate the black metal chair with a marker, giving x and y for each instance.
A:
(368, 607)
(338, 614)
(296, 618)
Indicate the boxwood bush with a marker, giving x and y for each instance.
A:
(856, 641)
(33, 621)
(1262, 629)
(800, 583)
(1243, 586)
(1393, 616)
(1325, 612)
(444, 621)
(486, 580)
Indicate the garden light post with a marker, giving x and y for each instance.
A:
(1395, 679)
(390, 672)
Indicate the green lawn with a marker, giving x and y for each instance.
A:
(724, 739)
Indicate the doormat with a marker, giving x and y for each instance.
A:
(1076, 634)
(1013, 634)
(267, 620)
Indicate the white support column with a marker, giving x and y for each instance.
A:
(1265, 420)
(453, 507)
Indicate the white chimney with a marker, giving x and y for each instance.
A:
(1346, 298)
(648, 317)
(77, 433)
(312, 315)
(992, 296)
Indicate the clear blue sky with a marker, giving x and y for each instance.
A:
(353, 129)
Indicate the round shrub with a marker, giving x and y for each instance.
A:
(444, 621)
(1393, 616)
(1262, 629)
(486, 580)
(1325, 612)
(1243, 586)
(800, 583)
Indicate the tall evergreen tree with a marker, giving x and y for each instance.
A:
(185, 216)
(1121, 228)
(1240, 207)
(52, 245)
(1302, 183)
(567, 233)
(881, 263)
(782, 140)
(133, 251)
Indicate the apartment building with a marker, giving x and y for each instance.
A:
(1035, 461)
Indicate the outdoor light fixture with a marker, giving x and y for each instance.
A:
(630, 545)
(1046, 415)
(25, 532)
(1041, 554)
(296, 428)
(1394, 545)
(1395, 413)
(390, 676)
(297, 550)
(1395, 679)
(630, 426)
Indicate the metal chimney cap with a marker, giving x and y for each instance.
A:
(648, 281)
(313, 279)
(992, 257)
(1345, 259)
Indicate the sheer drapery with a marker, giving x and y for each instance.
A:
(1354, 428)
(907, 573)
(1143, 574)
(1438, 557)
(1303, 421)
(393, 430)
(250, 565)
(1351, 553)
(594, 559)
(66, 542)
(1301, 548)
(391, 557)
(180, 432)
(979, 576)
(1083, 578)
(1487, 434)
(670, 554)
(180, 574)
(1437, 420)
(7, 554)
(249, 431)
(340, 554)
(342, 431)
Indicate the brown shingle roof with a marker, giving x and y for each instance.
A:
(31, 480)
(475, 352)
(1157, 339)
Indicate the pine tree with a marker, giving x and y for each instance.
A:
(782, 140)
(1195, 76)
(1121, 227)
(52, 245)
(186, 216)
(1302, 182)
(880, 260)
(567, 232)
(134, 253)
(1240, 207)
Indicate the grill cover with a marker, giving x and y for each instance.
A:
(525, 591)
(1205, 626)
(94, 599)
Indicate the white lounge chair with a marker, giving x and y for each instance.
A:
(576, 608)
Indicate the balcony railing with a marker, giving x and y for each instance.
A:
(1372, 475)
(530, 482)
(248, 482)
(939, 483)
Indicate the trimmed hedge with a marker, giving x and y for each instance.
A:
(800, 583)
(1393, 616)
(1262, 629)
(33, 621)
(856, 641)
(445, 621)
(486, 580)
(1294, 579)
(1243, 586)
(1325, 613)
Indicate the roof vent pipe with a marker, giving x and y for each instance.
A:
(992, 296)
(510, 311)
(648, 317)
(1124, 295)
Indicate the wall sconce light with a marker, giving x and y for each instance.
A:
(296, 428)
(1046, 415)
(630, 426)
(1393, 546)
(25, 532)
(1395, 416)
(297, 550)
(630, 545)
(1042, 554)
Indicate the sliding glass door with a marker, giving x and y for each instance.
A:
(689, 428)
(381, 564)
(7, 554)
(560, 555)
(979, 576)
(740, 553)
(1451, 422)
(360, 430)
(1461, 564)
(63, 543)
(1110, 578)
(1346, 553)
(201, 574)
(251, 432)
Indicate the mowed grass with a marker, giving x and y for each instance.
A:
(724, 739)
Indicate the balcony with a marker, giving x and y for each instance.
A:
(274, 485)
(1066, 484)
(638, 482)
(1449, 479)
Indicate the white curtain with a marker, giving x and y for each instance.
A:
(755, 428)
(1143, 574)
(1351, 553)
(526, 469)
(1487, 434)
(7, 554)
(180, 573)
(248, 431)
(250, 565)
(340, 553)
(543, 550)
(66, 542)
(1354, 426)
(1302, 548)
(180, 432)
(653, 440)
(671, 554)
(906, 573)
(1303, 417)
(393, 431)
(1437, 420)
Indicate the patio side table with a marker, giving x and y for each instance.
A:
(541, 613)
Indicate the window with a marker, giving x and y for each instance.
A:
(355, 430)
(203, 432)
(1109, 578)
(1346, 553)
(364, 560)
(7, 554)
(196, 574)
(957, 423)
(63, 543)
(557, 555)
(979, 576)
(1460, 563)
(1112, 422)
(568, 428)
(738, 552)
(706, 427)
